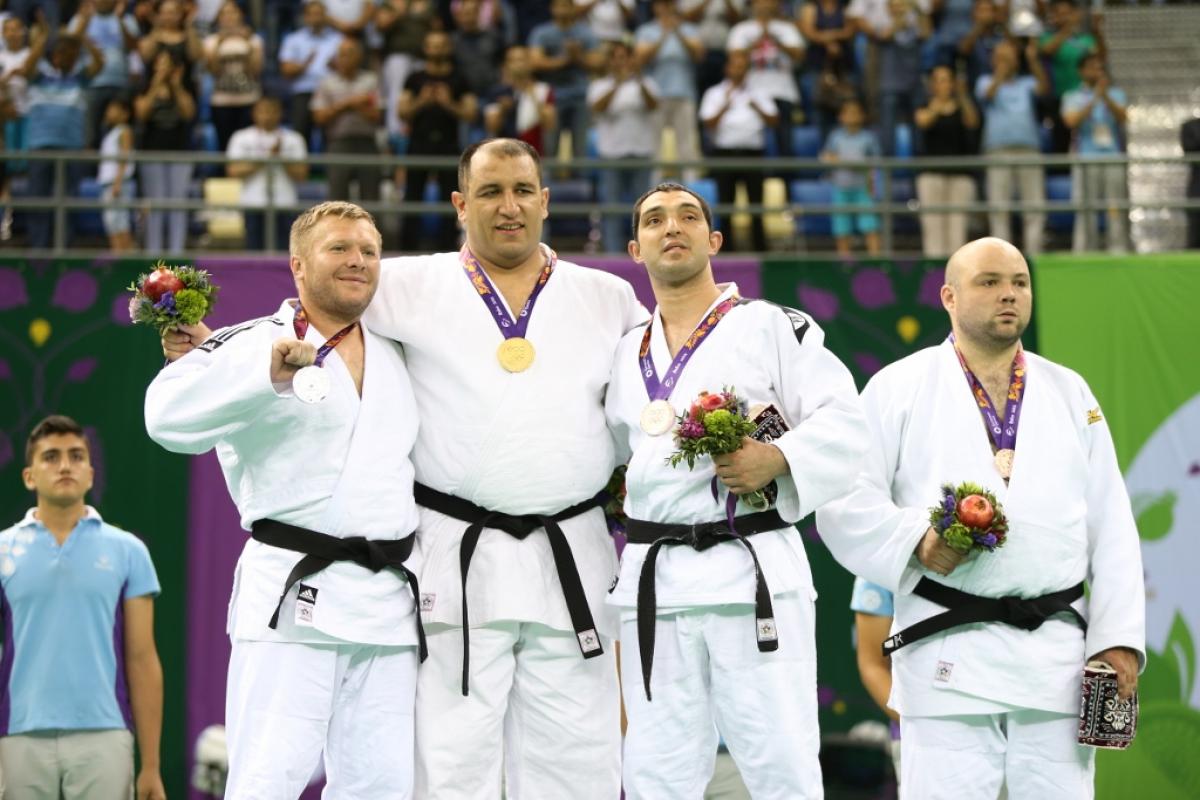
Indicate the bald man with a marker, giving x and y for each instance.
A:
(989, 703)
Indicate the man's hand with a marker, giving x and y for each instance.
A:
(181, 340)
(1125, 662)
(937, 556)
(751, 467)
(150, 785)
(289, 356)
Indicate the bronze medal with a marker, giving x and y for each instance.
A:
(1004, 462)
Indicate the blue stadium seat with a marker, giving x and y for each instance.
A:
(904, 191)
(204, 140)
(572, 190)
(904, 141)
(813, 193)
(87, 222)
(312, 192)
(806, 141)
(1058, 187)
(707, 188)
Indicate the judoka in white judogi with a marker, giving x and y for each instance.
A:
(707, 664)
(520, 443)
(986, 703)
(339, 670)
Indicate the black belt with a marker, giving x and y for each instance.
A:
(700, 537)
(321, 550)
(518, 527)
(965, 608)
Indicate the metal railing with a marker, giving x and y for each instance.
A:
(887, 170)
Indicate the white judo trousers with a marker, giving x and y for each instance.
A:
(539, 718)
(709, 676)
(286, 701)
(973, 756)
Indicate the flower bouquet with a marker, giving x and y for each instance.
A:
(714, 425)
(171, 296)
(969, 518)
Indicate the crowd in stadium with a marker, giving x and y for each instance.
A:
(740, 78)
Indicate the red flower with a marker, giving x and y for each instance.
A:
(711, 402)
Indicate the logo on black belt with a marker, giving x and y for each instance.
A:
(588, 640)
(767, 631)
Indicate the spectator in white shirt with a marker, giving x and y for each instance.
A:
(738, 117)
(14, 52)
(775, 47)
(265, 139)
(304, 60)
(608, 19)
(713, 19)
(622, 105)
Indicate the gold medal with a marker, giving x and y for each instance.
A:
(1004, 462)
(515, 354)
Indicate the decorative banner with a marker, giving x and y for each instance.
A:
(1130, 326)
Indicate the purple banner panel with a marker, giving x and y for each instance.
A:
(253, 288)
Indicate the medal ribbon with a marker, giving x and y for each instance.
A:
(1003, 436)
(662, 390)
(300, 326)
(511, 328)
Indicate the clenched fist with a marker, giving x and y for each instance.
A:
(181, 340)
(288, 356)
(937, 556)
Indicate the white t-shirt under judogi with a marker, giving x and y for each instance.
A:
(532, 442)
(1069, 520)
(766, 354)
(339, 467)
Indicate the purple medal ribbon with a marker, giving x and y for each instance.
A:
(300, 326)
(510, 328)
(1003, 436)
(662, 390)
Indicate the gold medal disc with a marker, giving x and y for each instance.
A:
(1004, 463)
(515, 354)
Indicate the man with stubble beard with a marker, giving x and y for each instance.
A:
(312, 416)
(992, 704)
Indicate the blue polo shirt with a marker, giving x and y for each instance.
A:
(63, 664)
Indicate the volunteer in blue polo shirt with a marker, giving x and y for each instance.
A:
(79, 671)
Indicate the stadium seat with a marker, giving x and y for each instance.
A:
(1058, 187)
(707, 189)
(904, 141)
(812, 193)
(806, 141)
(87, 222)
(224, 224)
(571, 190)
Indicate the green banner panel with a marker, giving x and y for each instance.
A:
(1130, 326)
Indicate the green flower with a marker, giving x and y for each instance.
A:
(192, 306)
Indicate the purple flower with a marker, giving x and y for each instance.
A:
(988, 541)
(691, 429)
(167, 303)
(948, 503)
(947, 521)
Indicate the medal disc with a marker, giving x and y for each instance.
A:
(657, 418)
(515, 354)
(1004, 463)
(311, 384)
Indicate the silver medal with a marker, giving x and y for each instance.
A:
(657, 418)
(311, 384)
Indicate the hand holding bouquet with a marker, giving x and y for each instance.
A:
(169, 297)
(969, 518)
(714, 424)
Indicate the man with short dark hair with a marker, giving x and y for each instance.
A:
(713, 583)
(81, 676)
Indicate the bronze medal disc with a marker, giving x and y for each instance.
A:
(1004, 463)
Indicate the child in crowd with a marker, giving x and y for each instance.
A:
(116, 174)
(850, 144)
